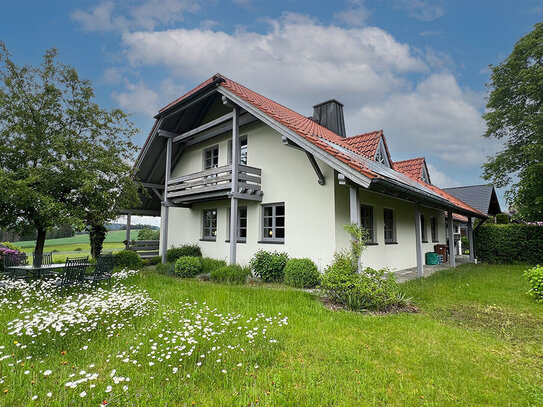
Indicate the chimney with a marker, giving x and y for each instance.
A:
(330, 115)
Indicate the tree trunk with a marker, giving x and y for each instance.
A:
(38, 250)
(97, 235)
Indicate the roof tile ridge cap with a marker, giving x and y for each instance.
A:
(375, 133)
(410, 159)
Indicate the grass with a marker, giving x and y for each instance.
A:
(475, 341)
(66, 246)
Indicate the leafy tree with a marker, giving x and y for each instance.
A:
(63, 159)
(514, 114)
(148, 234)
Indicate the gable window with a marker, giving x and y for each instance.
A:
(273, 223)
(433, 228)
(425, 176)
(381, 155)
(423, 229)
(209, 224)
(388, 215)
(241, 229)
(366, 218)
(211, 157)
(242, 151)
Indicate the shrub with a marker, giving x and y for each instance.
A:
(128, 259)
(230, 274)
(535, 278)
(155, 260)
(188, 266)
(148, 234)
(301, 273)
(78, 249)
(502, 219)
(269, 265)
(188, 250)
(509, 244)
(368, 290)
(208, 264)
(165, 268)
(11, 246)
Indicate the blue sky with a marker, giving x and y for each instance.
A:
(415, 68)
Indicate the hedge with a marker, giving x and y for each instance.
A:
(509, 244)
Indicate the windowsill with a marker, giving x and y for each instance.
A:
(391, 242)
(371, 243)
(207, 239)
(238, 241)
(272, 241)
(435, 241)
(425, 241)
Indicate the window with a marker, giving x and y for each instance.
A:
(242, 151)
(381, 155)
(423, 229)
(433, 227)
(388, 215)
(366, 218)
(273, 223)
(211, 158)
(210, 224)
(242, 224)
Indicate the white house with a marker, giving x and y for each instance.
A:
(236, 172)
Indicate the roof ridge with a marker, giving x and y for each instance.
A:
(379, 132)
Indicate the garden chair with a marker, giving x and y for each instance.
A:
(102, 270)
(45, 259)
(74, 272)
(10, 266)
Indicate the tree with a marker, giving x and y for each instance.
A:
(514, 114)
(60, 153)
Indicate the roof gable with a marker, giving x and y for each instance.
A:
(414, 168)
(481, 197)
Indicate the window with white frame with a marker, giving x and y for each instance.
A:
(242, 151)
(433, 228)
(423, 229)
(273, 223)
(241, 229)
(366, 219)
(211, 157)
(388, 215)
(209, 221)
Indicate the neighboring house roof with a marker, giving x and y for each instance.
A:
(481, 197)
(349, 151)
(413, 167)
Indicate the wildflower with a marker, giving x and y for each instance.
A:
(82, 394)
(47, 373)
(49, 394)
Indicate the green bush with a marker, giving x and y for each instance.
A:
(208, 264)
(188, 250)
(11, 246)
(165, 268)
(188, 267)
(230, 274)
(368, 290)
(509, 244)
(502, 219)
(128, 259)
(148, 234)
(155, 260)
(535, 278)
(269, 265)
(301, 273)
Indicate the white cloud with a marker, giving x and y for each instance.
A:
(441, 179)
(425, 10)
(147, 15)
(355, 16)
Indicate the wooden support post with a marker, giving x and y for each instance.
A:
(452, 260)
(235, 188)
(165, 202)
(128, 218)
(470, 240)
(418, 241)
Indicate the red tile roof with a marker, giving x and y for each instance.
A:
(315, 133)
(412, 168)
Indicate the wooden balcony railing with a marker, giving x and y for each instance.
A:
(215, 183)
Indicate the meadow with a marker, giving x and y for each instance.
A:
(160, 340)
(78, 244)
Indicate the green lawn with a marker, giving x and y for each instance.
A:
(475, 341)
(66, 246)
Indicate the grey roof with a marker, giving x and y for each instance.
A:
(481, 197)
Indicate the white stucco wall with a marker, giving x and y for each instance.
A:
(287, 176)
(393, 256)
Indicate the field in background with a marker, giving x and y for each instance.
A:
(77, 245)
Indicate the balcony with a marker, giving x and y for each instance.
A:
(215, 183)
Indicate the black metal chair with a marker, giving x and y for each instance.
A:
(73, 273)
(103, 269)
(11, 262)
(46, 259)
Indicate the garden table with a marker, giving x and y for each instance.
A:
(36, 271)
